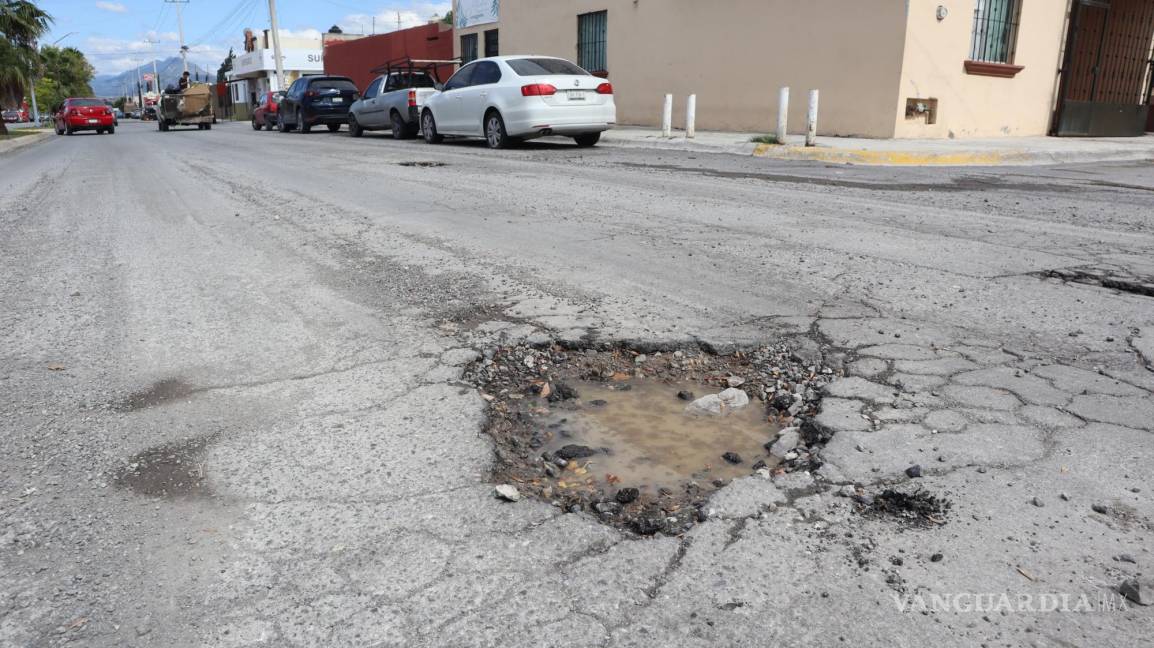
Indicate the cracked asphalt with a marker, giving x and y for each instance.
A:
(289, 317)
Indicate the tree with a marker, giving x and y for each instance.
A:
(225, 67)
(21, 23)
(69, 67)
(448, 17)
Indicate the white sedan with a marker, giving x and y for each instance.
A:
(510, 98)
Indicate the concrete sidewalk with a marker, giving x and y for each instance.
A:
(9, 145)
(898, 152)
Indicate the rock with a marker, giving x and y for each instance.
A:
(732, 457)
(607, 508)
(627, 495)
(709, 405)
(639, 359)
(598, 402)
(573, 451)
(936, 557)
(1140, 590)
(1127, 558)
(734, 398)
(781, 401)
(562, 392)
(1100, 508)
(1037, 501)
(847, 491)
(914, 471)
(786, 442)
(650, 521)
(685, 395)
(507, 492)
(735, 381)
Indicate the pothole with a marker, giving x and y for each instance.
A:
(424, 164)
(642, 440)
(172, 470)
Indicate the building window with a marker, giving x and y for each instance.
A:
(468, 48)
(491, 45)
(591, 36)
(995, 31)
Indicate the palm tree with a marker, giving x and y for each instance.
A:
(21, 23)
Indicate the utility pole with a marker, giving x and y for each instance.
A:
(180, 30)
(276, 45)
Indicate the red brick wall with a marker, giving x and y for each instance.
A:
(356, 58)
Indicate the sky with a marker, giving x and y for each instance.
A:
(116, 35)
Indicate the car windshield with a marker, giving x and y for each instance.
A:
(85, 102)
(545, 66)
(333, 84)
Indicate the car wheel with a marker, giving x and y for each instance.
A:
(68, 129)
(280, 124)
(586, 140)
(400, 128)
(111, 130)
(59, 131)
(429, 128)
(301, 125)
(355, 129)
(208, 126)
(255, 126)
(495, 133)
(267, 124)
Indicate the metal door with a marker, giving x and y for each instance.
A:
(1106, 71)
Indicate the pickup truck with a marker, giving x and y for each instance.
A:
(392, 101)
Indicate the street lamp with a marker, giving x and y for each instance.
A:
(32, 81)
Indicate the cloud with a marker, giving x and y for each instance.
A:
(114, 7)
(300, 33)
(411, 15)
(115, 55)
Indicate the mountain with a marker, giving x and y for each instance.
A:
(170, 69)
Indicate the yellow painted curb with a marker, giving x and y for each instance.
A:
(890, 158)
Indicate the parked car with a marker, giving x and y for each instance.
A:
(118, 114)
(11, 116)
(506, 99)
(315, 100)
(77, 114)
(148, 114)
(134, 114)
(264, 114)
(392, 101)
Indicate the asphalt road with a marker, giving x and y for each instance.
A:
(271, 313)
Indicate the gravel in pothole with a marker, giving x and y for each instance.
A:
(642, 439)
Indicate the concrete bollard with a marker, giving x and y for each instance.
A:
(667, 117)
(782, 114)
(691, 117)
(811, 120)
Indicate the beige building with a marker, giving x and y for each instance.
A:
(885, 68)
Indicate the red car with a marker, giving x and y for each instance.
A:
(77, 114)
(264, 115)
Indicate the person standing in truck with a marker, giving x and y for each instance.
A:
(184, 81)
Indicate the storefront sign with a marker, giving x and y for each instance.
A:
(476, 12)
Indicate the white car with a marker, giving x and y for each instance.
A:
(509, 98)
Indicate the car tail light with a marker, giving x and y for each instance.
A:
(538, 90)
(311, 93)
(412, 98)
(605, 88)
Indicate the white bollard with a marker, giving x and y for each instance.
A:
(782, 114)
(691, 117)
(667, 117)
(811, 120)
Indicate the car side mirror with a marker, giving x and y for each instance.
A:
(356, 96)
(438, 86)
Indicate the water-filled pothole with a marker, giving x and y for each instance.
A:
(604, 430)
(644, 436)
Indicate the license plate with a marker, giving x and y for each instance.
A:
(93, 121)
(338, 99)
(576, 95)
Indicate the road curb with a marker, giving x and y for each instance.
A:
(22, 142)
(960, 158)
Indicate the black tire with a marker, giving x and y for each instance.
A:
(355, 129)
(401, 130)
(99, 131)
(333, 127)
(281, 126)
(495, 134)
(59, 131)
(111, 130)
(267, 124)
(302, 127)
(68, 129)
(255, 126)
(163, 125)
(429, 128)
(587, 139)
(208, 126)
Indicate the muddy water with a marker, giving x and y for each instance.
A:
(647, 440)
